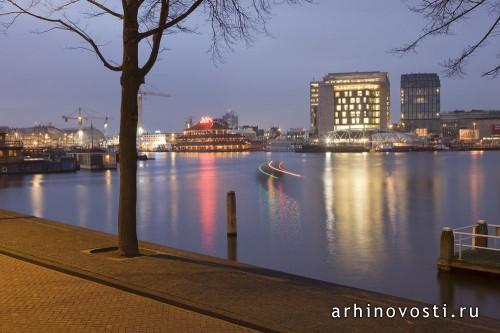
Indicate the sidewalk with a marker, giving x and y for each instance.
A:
(37, 299)
(241, 294)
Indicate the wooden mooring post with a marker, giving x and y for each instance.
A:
(447, 248)
(232, 229)
(481, 228)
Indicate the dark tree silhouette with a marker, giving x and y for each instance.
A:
(443, 15)
(144, 23)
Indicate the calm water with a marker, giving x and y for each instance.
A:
(371, 221)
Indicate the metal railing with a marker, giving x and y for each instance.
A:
(477, 237)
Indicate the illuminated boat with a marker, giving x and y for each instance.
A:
(210, 135)
(275, 171)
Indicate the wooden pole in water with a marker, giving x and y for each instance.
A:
(231, 214)
(232, 246)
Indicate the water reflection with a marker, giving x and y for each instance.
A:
(207, 194)
(37, 195)
(371, 221)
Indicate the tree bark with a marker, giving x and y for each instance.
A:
(130, 80)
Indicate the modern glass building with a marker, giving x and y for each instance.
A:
(350, 101)
(420, 102)
(313, 102)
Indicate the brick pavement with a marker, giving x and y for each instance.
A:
(37, 299)
(246, 295)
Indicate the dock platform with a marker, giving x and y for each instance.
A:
(473, 248)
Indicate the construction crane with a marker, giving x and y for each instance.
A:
(140, 120)
(81, 116)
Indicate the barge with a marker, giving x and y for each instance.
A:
(13, 161)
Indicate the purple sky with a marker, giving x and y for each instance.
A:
(266, 84)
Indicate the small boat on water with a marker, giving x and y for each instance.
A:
(275, 170)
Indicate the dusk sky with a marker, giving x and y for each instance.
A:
(266, 83)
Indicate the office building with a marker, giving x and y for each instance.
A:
(484, 123)
(420, 102)
(357, 101)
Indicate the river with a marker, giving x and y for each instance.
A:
(370, 221)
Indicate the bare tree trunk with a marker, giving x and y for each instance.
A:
(131, 80)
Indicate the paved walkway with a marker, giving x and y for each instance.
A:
(245, 295)
(37, 299)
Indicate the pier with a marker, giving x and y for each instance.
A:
(474, 248)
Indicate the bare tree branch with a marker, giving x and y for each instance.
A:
(455, 66)
(173, 21)
(442, 16)
(67, 25)
(165, 8)
(106, 9)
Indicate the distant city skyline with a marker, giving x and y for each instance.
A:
(266, 84)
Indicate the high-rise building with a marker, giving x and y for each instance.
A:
(313, 102)
(231, 118)
(420, 102)
(350, 101)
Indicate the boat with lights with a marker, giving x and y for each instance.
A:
(210, 135)
(275, 170)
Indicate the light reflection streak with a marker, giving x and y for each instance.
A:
(207, 193)
(108, 178)
(37, 195)
(476, 183)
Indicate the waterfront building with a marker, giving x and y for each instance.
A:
(10, 149)
(210, 135)
(420, 103)
(231, 118)
(313, 107)
(47, 136)
(485, 122)
(350, 101)
(157, 141)
(297, 135)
